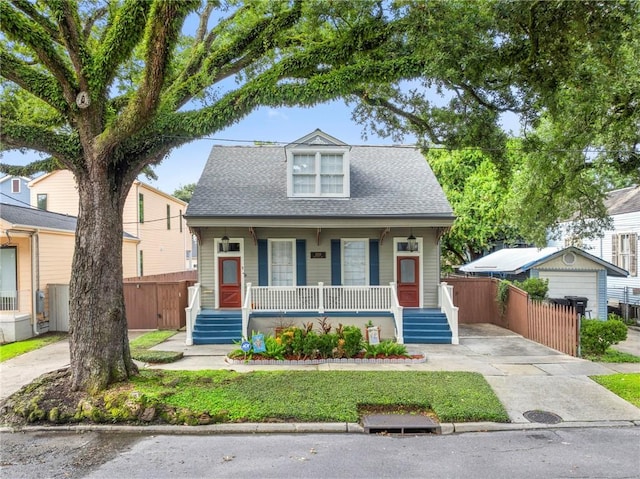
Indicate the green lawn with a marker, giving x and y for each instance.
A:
(627, 386)
(612, 355)
(151, 339)
(11, 350)
(324, 396)
(138, 345)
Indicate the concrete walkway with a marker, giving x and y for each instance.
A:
(525, 375)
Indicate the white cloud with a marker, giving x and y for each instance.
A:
(273, 113)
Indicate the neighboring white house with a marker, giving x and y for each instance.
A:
(319, 228)
(154, 217)
(620, 247)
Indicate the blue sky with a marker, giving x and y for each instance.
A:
(185, 164)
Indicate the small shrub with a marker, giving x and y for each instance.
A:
(596, 336)
(385, 348)
(537, 288)
(275, 348)
(352, 336)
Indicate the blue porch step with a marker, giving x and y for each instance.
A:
(425, 326)
(217, 327)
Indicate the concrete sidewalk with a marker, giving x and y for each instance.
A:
(525, 375)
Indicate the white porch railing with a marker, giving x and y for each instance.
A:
(9, 300)
(320, 298)
(446, 305)
(192, 311)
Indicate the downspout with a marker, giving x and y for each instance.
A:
(35, 278)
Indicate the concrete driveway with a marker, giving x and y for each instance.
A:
(525, 375)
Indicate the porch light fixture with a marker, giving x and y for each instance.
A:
(412, 243)
(225, 243)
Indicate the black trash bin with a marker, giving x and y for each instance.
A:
(560, 301)
(579, 303)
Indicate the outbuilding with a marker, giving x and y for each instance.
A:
(572, 272)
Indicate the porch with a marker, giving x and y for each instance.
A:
(266, 307)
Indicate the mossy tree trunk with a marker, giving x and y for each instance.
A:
(98, 326)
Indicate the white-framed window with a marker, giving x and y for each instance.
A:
(355, 262)
(15, 185)
(624, 249)
(315, 173)
(282, 262)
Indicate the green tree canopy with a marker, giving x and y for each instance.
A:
(479, 197)
(569, 70)
(185, 192)
(108, 89)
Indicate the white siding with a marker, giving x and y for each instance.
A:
(573, 283)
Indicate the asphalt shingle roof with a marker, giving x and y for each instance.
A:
(625, 200)
(22, 215)
(251, 181)
(25, 216)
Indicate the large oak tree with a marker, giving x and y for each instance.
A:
(107, 89)
(568, 70)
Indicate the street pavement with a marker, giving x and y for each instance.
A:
(526, 376)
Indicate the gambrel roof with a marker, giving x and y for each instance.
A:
(251, 181)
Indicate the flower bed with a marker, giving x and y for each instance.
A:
(302, 346)
(258, 360)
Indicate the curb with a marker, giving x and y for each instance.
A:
(308, 428)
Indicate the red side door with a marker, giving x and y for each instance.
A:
(229, 283)
(408, 274)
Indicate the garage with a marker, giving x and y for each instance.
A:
(573, 283)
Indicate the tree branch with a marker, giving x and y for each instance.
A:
(47, 165)
(18, 135)
(91, 20)
(418, 122)
(161, 35)
(124, 32)
(29, 79)
(50, 27)
(22, 29)
(74, 41)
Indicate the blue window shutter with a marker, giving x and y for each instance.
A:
(263, 262)
(374, 263)
(301, 260)
(336, 273)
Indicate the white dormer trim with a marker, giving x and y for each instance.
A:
(316, 147)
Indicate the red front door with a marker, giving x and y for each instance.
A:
(408, 281)
(229, 283)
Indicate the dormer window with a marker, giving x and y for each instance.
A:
(318, 167)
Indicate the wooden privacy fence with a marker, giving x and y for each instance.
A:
(155, 305)
(158, 301)
(555, 326)
(151, 302)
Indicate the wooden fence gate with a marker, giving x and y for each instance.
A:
(152, 305)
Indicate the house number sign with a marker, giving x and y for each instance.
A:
(318, 254)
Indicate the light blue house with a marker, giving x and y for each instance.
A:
(14, 190)
(572, 272)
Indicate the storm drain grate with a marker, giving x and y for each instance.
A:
(400, 424)
(544, 417)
